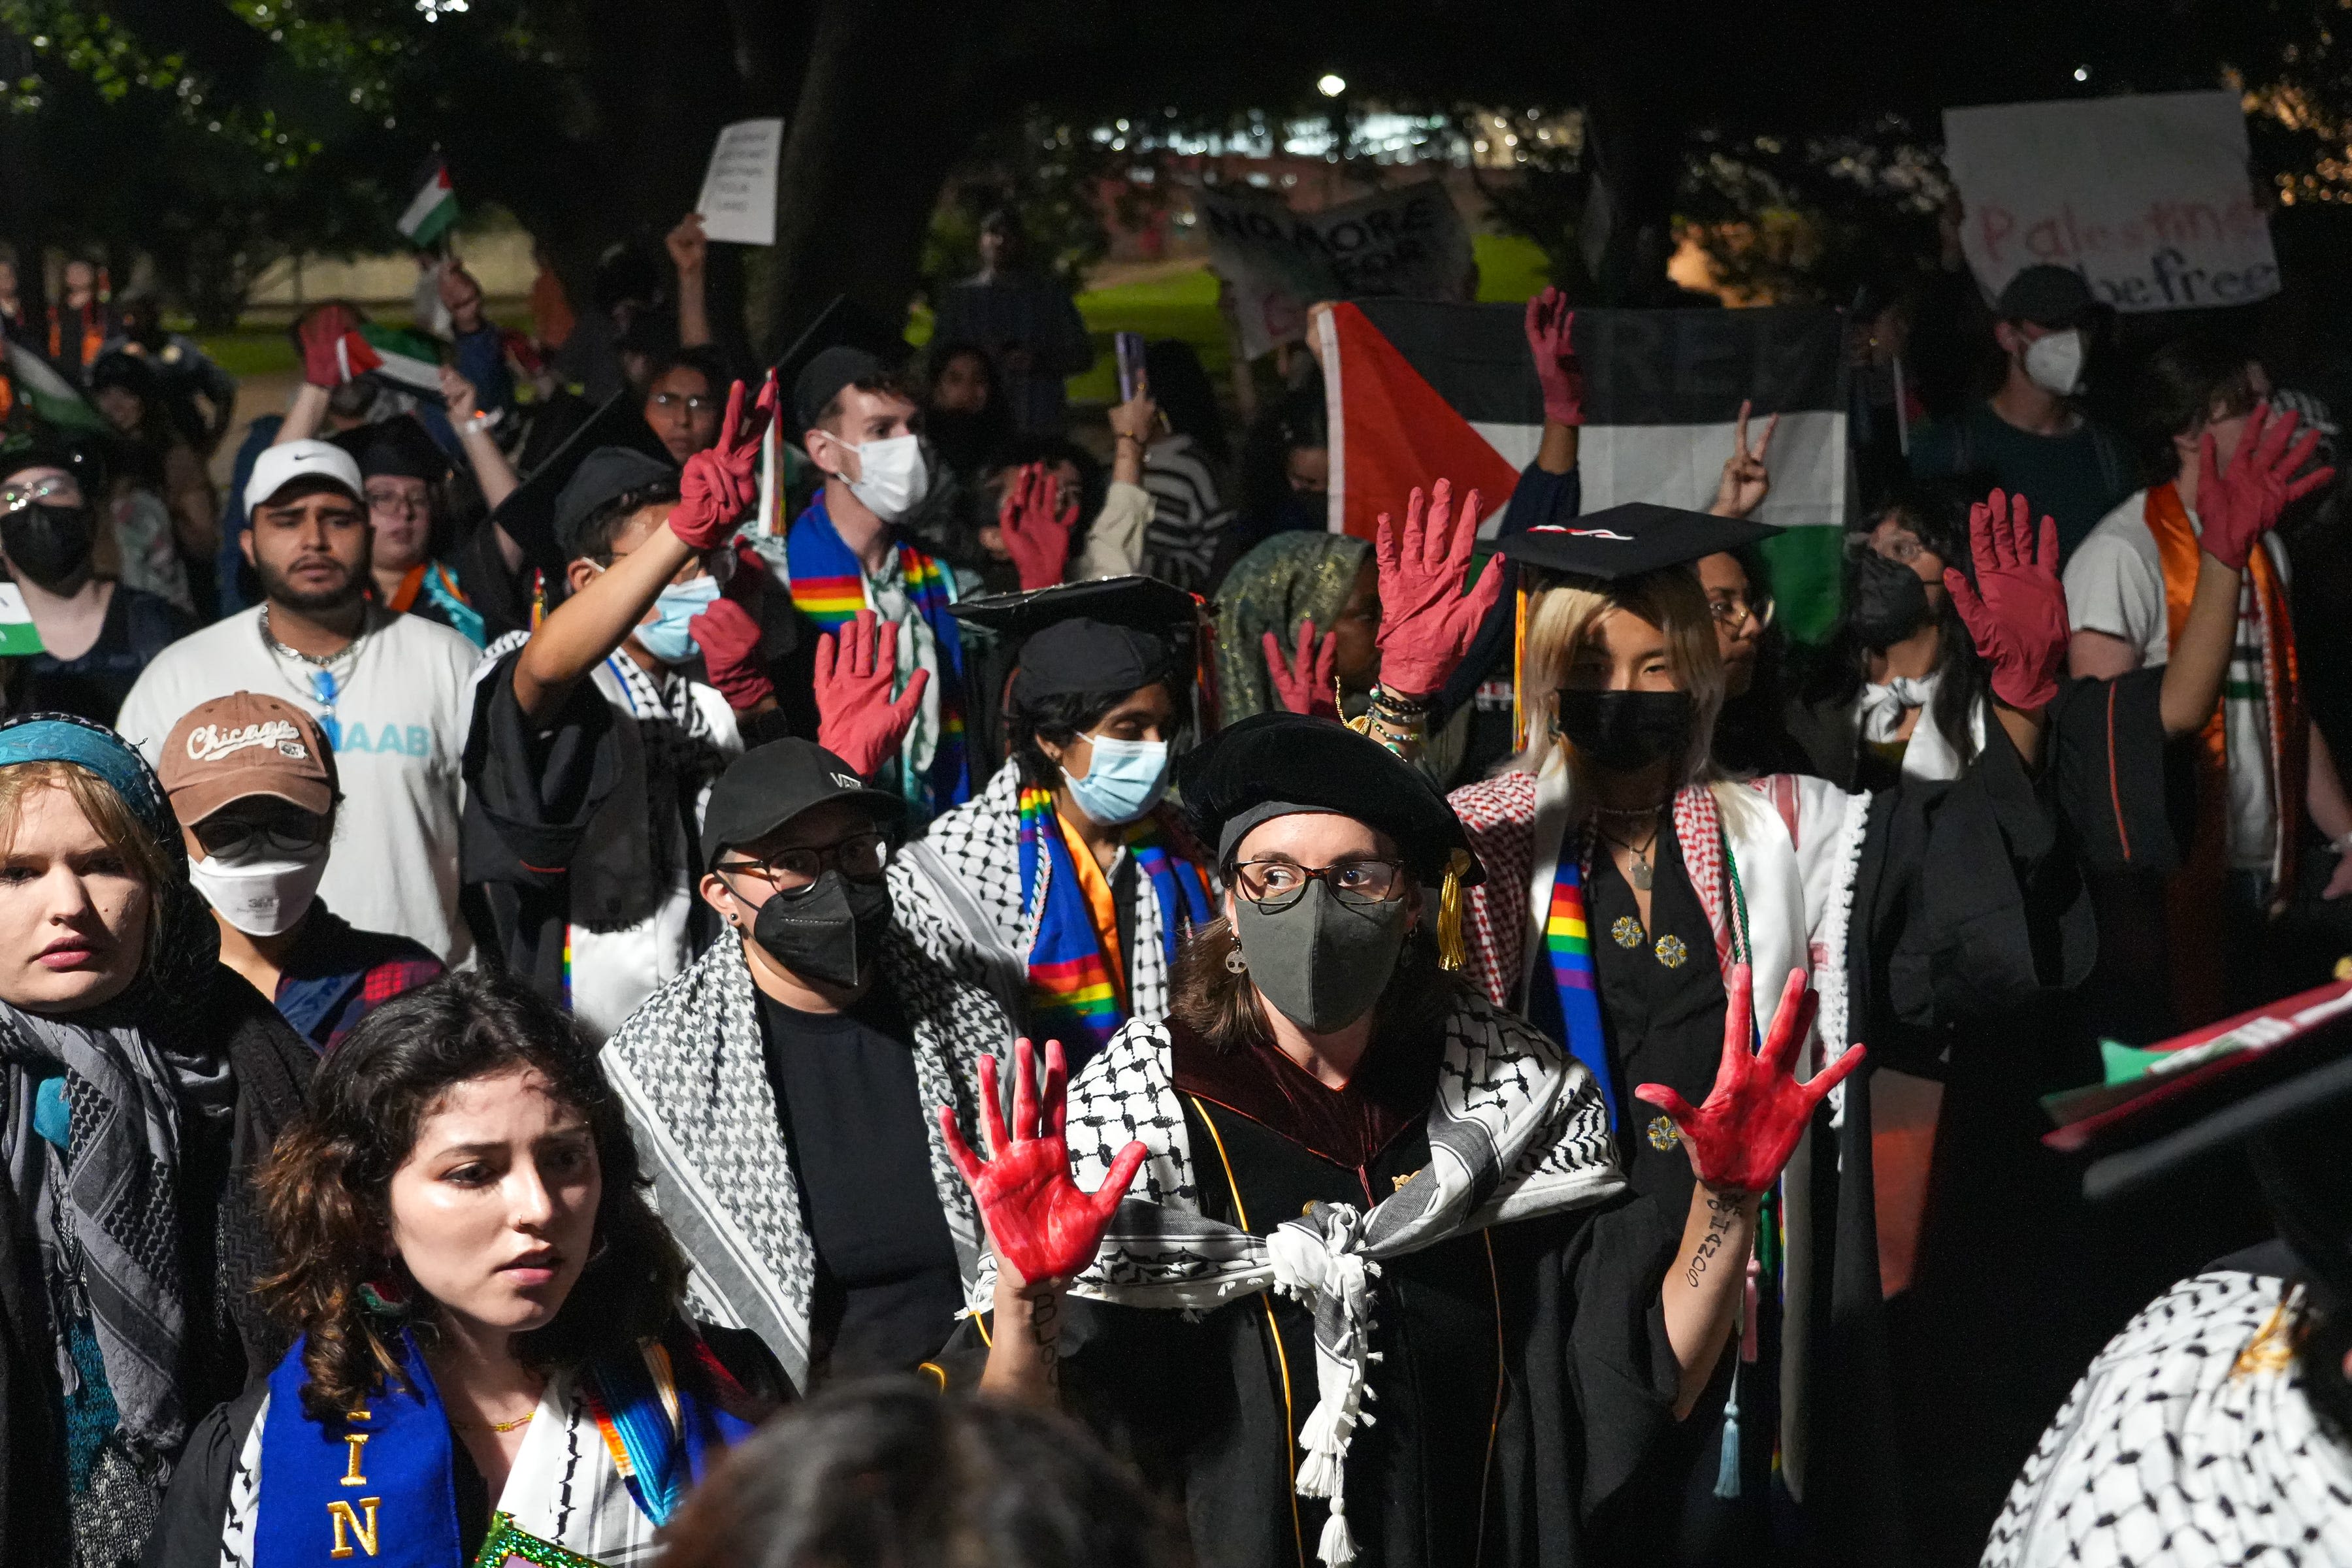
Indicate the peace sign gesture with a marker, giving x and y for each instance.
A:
(1746, 480)
(723, 483)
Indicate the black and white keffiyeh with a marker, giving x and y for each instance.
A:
(2189, 1444)
(1517, 1129)
(690, 1067)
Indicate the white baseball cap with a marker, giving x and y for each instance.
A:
(281, 465)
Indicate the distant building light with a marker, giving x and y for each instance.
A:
(1330, 85)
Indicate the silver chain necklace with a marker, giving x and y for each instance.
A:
(315, 661)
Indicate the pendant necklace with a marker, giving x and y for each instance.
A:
(1641, 876)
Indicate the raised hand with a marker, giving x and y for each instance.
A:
(1746, 480)
(319, 335)
(2237, 505)
(1426, 620)
(856, 721)
(1036, 519)
(1304, 687)
(1550, 339)
(722, 484)
(1043, 1227)
(1740, 1140)
(459, 398)
(686, 245)
(728, 632)
(2016, 610)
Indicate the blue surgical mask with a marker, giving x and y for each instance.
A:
(1124, 780)
(666, 637)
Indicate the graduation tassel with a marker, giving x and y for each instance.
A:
(1518, 669)
(1726, 1469)
(1336, 1547)
(1451, 952)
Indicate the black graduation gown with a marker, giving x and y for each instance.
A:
(1525, 1369)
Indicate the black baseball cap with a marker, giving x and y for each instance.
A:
(528, 515)
(769, 785)
(821, 381)
(2048, 296)
(1629, 540)
(844, 323)
(605, 474)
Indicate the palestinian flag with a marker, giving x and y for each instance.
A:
(34, 386)
(433, 209)
(409, 361)
(1420, 390)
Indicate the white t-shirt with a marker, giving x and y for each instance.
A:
(398, 726)
(2115, 583)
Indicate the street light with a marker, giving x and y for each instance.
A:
(1330, 84)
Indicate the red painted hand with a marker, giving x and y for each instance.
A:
(1426, 620)
(1037, 522)
(1304, 687)
(856, 721)
(1043, 1228)
(1551, 340)
(723, 483)
(2016, 610)
(318, 336)
(2237, 505)
(1740, 1137)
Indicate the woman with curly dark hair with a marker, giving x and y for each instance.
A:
(491, 1340)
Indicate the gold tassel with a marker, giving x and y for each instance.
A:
(1450, 953)
(1519, 670)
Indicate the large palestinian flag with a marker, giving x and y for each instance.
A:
(1420, 390)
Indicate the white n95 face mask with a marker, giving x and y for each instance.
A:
(893, 477)
(261, 897)
(2054, 364)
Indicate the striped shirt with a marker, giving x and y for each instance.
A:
(1189, 518)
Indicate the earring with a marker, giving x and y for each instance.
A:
(1235, 962)
(385, 1298)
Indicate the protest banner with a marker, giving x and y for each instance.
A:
(2148, 197)
(739, 189)
(1407, 243)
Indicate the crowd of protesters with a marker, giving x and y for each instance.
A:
(515, 918)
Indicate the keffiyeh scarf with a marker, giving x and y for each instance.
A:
(691, 1068)
(1517, 1129)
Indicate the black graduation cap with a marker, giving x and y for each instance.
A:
(400, 446)
(1111, 633)
(1629, 540)
(844, 323)
(1293, 760)
(2238, 1082)
(529, 514)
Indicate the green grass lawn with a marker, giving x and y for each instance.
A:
(1183, 306)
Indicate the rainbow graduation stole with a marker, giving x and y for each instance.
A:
(634, 1402)
(1568, 942)
(828, 587)
(1072, 995)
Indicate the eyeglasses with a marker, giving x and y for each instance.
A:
(1276, 885)
(861, 856)
(398, 501)
(15, 498)
(1734, 612)
(1902, 547)
(692, 401)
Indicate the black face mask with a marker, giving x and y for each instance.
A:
(1885, 601)
(828, 931)
(50, 544)
(1626, 732)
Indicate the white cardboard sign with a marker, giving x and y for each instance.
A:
(2148, 197)
(1408, 242)
(738, 190)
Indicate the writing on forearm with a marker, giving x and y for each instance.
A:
(1045, 1335)
(1722, 1213)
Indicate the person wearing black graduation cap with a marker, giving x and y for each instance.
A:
(1375, 1295)
(1063, 880)
(407, 474)
(593, 744)
(2217, 1426)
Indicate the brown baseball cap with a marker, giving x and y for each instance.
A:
(246, 744)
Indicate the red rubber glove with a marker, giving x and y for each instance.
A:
(318, 336)
(1426, 620)
(1037, 523)
(729, 635)
(1304, 687)
(723, 483)
(2017, 610)
(1740, 1140)
(1043, 1227)
(2237, 505)
(856, 721)
(1550, 339)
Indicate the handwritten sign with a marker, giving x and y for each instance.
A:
(2148, 197)
(1407, 243)
(738, 190)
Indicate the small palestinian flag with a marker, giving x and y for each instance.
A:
(409, 361)
(1420, 390)
(35, 386)
(433, 209)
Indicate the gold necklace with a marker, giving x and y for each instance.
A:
(523, 1420)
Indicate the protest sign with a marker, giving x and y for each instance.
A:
(1407, 243)
(738, 190)
(2148, 197)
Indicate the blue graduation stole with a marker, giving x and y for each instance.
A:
(372, 1488)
